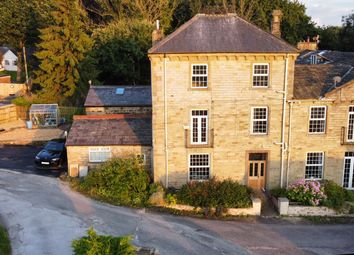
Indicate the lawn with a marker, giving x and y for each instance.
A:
(11, 73)
(5, 247)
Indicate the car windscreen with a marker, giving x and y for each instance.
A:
(51, 146)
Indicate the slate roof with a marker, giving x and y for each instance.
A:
(106, 96)
(3, 50)
(329, 57)
(314, 81)
(220, 34)
(109, 130)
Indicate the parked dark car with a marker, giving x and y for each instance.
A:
(52, 156)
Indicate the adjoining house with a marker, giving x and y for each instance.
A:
(118, 99)
(94, 139)
(8, 60)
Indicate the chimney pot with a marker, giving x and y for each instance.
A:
(157, 34)
(277, 15)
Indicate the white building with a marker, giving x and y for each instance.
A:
(8, 60)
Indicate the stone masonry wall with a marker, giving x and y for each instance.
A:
(118, 110)
(228, 99)
(80, 155)
(337, 104)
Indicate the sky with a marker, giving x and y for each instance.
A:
(328, 12)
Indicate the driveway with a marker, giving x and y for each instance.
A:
(20, 158)
(43, 215)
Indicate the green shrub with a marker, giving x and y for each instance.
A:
(336, 195)
(278, 192)
(5, 247)
(118, 181)
(214, 193)
(171, 199)
(94, 244)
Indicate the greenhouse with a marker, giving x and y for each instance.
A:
(44, 115)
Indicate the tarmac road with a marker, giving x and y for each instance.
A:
(43, 216)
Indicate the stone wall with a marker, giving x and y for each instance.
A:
(228, 99)
(118, 110)
(79, 156)
(254, 210)
(11, 89)
(7, 113)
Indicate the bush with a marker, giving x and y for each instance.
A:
(94, 244)
(336, 195)
(279, 192)
(214, 193)
(118, 181)
(5, 247)
(306, 192)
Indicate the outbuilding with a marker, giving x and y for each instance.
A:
(94, 139)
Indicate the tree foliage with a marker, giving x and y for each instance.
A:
(19, 23)
(338, 37)
(121, 49)
(63, 46)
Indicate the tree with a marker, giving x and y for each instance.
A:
(19, 21)
(346, 35)
(121, 51)
(296, 25)
(63, 46)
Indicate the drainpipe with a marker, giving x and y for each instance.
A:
(289, 143)
(285, 92)
(165, 119)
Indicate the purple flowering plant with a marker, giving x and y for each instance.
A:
(306, 192)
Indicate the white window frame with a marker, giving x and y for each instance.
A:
(199, 121)
(200, 75)
(14, 63)
(253, 74)
(351, 172)
(349, 114)
(253, 120)
(6, 62)
(99, 149)
(189, 166)
(311, 119)
(322, 165)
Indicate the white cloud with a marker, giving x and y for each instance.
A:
(328, 12)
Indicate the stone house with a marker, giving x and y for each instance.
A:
(219, 92)
(118, 100)
(93, 139)
(229, 101)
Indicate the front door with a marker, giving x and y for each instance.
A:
(348, 171)
(257, 164)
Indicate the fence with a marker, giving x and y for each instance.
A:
(7, 113)
(11, 113)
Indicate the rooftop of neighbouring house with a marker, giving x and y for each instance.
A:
(226, 33)
(326, 57)
(110, 130)
(314, 81)
(118, 96)
(3, 50)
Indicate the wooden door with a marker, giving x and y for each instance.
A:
(256, 174)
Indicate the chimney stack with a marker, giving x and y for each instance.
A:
(157, 34)
(277, 15)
